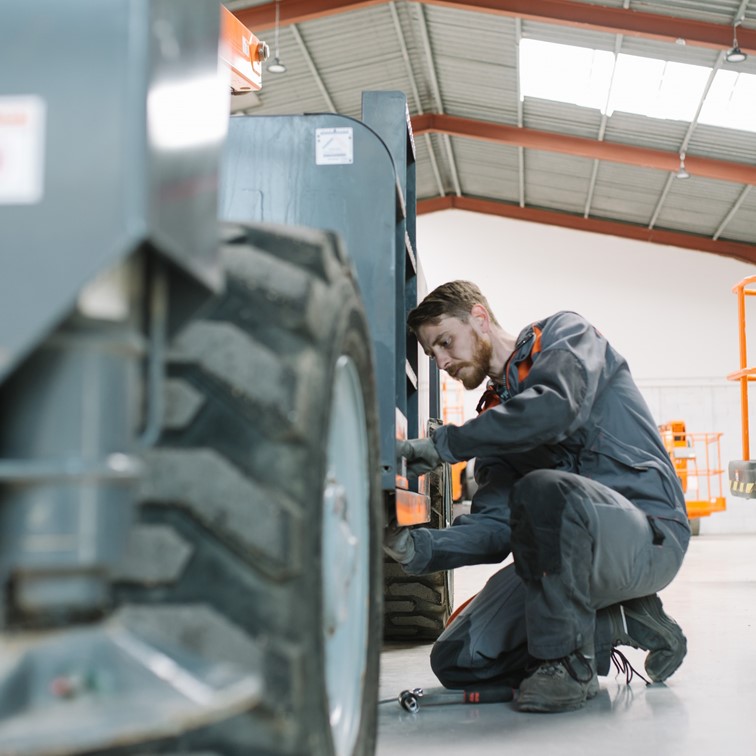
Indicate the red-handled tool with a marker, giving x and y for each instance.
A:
(412, 700)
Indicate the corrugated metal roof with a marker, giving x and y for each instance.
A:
(561, 117)
(742, 224)
(628, 128)
(626, 193)
(426, 184)
(697, 203)
(488, 170)
(464, 63)
(556, 182)
(568, 35)
(718, 11)
(476, 69)
(725, 144)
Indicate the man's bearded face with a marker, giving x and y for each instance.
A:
(472, 373)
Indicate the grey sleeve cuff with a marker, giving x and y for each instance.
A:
(423, 550)
(441, 441)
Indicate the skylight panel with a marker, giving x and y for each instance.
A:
(634, 84)
(565, 73)
(731, 102)
(657, 88)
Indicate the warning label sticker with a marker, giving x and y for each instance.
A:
(22, 142)
(334, 146)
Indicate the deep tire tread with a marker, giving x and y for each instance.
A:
(417, 607)
(238, 474)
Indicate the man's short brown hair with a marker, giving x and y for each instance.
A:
(453, 299)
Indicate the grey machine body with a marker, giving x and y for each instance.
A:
(108, 241)
(355, 177)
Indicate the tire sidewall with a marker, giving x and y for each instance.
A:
(349, 337)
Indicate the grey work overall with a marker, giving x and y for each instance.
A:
(575, 482)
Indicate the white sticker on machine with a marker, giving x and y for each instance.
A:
(334, 146)
(22, 147)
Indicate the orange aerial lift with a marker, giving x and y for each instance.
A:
(742, 473)
(697, 461)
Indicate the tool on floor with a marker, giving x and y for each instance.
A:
(411, 700)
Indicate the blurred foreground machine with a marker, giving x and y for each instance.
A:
(195, 461)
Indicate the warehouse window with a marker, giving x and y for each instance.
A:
(633, 84)
(565, 73)
(731, 101)
(657, 88)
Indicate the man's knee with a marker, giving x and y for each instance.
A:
(445, 663)
(455, 667)
(538, 504)
(537, 484)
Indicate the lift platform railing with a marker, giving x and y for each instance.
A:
(742, 473)
(698, 464)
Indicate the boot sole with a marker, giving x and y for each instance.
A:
(661, 663)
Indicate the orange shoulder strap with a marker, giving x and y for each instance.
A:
(524, 367)
(490, 398)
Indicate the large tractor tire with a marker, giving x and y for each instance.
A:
(261, 520)
(417, 607)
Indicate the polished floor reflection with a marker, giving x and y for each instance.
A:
(708, 706)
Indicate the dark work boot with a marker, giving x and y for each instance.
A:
(642, 623)
(559, 684)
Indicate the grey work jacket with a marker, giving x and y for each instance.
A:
(568, 403)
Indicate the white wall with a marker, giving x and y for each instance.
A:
(670, 312)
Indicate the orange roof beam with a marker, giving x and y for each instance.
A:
(616, 20)
(263, 16)
(644, 157)
(736, 250)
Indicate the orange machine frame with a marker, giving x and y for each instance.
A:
(412, 508)
(684, 449)
(242, 52)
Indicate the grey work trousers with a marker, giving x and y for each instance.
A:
(607, 551)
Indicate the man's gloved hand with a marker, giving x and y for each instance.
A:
(421, 455)
(398, 543)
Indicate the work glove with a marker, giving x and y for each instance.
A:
(398, 543)
(421, 455)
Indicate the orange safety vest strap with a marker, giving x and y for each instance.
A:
(490, 398)
(524, 367)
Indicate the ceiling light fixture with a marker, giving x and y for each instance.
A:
(681, 172)
(735, 54)
(276, 66)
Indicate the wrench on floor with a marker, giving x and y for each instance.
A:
(412, 700)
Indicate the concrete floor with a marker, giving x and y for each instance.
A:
(707, 707)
